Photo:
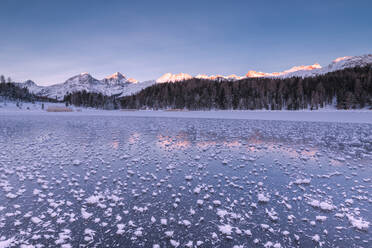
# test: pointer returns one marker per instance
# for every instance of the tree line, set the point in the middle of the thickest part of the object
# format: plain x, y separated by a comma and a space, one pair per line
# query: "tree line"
349, 88
95, 100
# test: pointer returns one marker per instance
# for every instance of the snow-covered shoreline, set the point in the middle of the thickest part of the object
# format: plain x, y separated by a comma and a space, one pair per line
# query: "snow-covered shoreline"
324, 115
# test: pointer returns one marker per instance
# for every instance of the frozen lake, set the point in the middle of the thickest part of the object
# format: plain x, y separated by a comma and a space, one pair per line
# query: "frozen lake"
120, 181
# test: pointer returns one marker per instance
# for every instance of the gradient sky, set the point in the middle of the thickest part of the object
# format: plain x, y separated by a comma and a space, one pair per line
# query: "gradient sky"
50, 41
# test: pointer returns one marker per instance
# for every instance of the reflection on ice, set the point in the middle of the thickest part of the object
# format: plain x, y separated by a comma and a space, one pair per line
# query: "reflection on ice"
134, 138
166, 142
159, 182
115, 144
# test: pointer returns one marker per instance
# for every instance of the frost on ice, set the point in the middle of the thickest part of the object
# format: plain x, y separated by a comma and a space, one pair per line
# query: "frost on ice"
69, 181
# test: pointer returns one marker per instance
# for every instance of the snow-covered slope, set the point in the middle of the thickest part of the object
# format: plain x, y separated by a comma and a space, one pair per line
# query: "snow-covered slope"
116, 84
133, 88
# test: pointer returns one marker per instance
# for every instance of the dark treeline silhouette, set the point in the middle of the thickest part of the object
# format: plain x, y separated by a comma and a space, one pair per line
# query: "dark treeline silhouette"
13, 92
347, 89
95, 100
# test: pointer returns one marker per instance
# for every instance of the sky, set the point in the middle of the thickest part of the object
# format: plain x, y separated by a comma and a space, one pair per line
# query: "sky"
51, 41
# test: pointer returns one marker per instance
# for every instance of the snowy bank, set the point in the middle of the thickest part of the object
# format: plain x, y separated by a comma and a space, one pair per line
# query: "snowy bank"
324, 115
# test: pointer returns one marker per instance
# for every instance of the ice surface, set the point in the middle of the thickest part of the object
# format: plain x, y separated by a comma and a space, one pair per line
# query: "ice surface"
88, 180
358, 223
6, 243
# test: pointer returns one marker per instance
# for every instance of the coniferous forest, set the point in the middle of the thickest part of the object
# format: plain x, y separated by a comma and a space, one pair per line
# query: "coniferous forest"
95, 100
348, 89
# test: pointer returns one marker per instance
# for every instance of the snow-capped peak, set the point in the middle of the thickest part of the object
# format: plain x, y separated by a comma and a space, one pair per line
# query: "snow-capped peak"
283, 73
252, 74
219, 77
31, 86
302, 67
351, 61
116, 75
337, 64
341, 58
169, 77
29, 83
132, 80
82, 78
202, 76
116, 79
234, 77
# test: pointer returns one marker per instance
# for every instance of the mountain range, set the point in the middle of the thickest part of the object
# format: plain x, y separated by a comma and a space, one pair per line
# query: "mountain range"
296, 71
118, 84
115, 84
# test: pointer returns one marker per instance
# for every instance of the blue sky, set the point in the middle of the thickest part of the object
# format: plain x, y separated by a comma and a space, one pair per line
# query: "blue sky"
50, 41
